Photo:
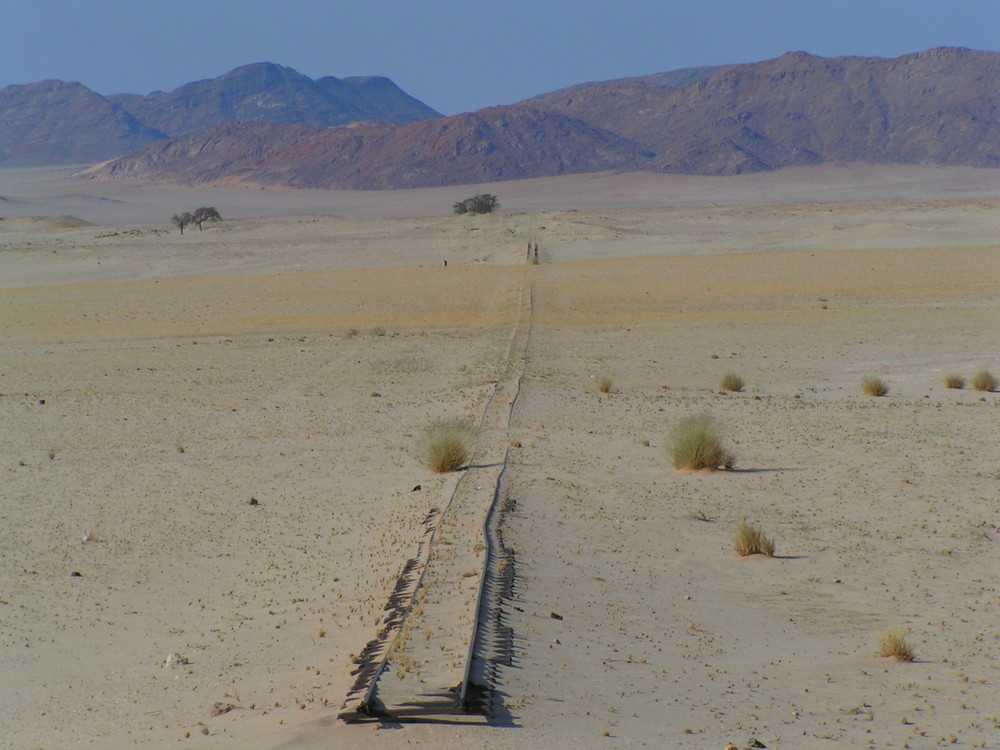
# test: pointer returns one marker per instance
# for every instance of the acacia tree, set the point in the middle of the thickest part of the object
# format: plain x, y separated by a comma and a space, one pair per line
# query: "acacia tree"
182, 220
205, 213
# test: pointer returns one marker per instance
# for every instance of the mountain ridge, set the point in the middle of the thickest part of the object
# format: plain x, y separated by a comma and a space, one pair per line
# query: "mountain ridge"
940, 106
57, 122
493, 144
936, 107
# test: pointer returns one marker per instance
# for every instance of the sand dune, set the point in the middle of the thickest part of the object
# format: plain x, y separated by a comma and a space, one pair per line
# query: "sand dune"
217, 433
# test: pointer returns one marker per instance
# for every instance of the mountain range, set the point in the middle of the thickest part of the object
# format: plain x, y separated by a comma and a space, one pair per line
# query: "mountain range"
941, 106
55, 122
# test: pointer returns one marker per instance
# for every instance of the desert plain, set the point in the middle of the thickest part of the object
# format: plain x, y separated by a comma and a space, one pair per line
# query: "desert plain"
210, 465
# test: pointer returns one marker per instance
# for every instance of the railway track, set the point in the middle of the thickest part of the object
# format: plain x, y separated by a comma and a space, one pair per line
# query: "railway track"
442, 639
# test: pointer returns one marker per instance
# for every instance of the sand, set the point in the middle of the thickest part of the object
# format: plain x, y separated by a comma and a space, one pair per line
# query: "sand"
218, 434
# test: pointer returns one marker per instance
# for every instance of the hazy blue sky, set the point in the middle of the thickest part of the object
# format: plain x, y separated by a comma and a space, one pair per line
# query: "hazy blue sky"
458, 55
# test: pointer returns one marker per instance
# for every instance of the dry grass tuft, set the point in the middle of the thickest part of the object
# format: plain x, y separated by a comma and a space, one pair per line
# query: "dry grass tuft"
984, 381
604, 385
446, 446
954, 381
892, 643
750, 540
872, 385
695, 444
731, 382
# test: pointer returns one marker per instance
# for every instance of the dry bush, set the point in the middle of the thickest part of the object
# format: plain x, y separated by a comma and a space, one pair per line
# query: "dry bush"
731, 382
954, 381
871, 385
750, 540
447, 445
695, 444
983, 381
604, 385
893, 643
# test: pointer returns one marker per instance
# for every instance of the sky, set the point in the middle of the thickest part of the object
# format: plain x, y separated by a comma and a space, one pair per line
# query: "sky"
453, 55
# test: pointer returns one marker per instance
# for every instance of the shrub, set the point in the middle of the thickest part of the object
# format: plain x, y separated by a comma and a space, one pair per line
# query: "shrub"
695, 444
749, 540
893, 643
604, 385
731, 382
872, 385
983, 381
954, 381
446, 446
484, 203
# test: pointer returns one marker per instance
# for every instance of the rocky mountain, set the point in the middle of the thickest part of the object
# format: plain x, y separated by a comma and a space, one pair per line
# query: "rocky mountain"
265, 92
673, 79
54, 122
941, 106
499, 143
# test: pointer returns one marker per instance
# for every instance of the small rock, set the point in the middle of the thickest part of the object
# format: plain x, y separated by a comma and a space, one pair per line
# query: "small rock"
376, 394
416, 488
554, 616
253, 501
754, 742
76, 574
175, 660
219, 708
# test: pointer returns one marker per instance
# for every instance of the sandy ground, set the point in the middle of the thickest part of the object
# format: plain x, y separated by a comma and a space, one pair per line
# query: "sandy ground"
217, 433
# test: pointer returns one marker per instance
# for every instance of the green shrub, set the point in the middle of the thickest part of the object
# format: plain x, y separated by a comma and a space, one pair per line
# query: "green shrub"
484, 203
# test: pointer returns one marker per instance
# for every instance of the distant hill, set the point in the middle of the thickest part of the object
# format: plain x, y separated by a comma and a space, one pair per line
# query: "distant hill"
673, 79
54, 122
499, 143
934, 107
265, 92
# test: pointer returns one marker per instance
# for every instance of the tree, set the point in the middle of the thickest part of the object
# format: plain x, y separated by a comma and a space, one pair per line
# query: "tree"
484, 203
205, 213
182, 220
